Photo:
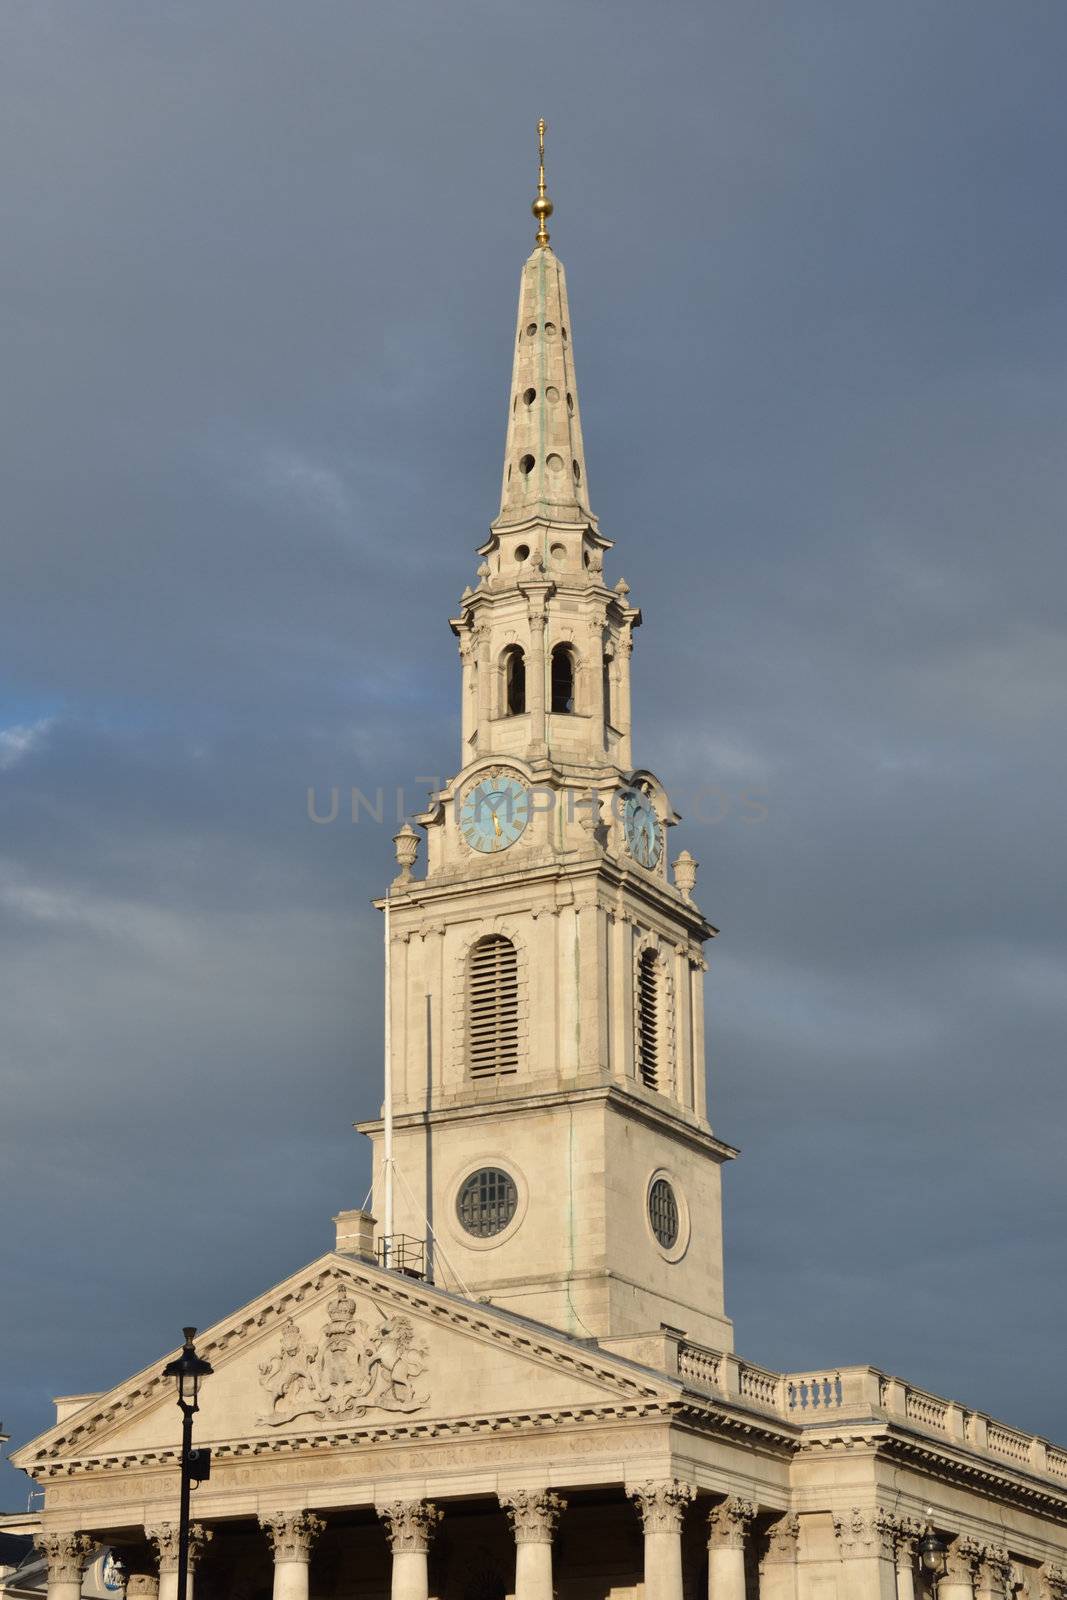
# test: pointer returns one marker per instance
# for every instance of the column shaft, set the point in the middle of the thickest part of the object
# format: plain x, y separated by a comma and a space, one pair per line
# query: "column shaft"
533, 1572
411, 1577
291, 1580
726, 1573
481, 634
663, 1566
535, 677
64, 1588
623, 724
905, 1581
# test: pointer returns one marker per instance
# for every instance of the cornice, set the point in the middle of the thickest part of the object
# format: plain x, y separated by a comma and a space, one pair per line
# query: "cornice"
445, 1430
615, 1096
889, 1442
603, 871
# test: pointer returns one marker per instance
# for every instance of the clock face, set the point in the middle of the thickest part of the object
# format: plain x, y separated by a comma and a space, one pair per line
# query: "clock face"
494, 813
641, 826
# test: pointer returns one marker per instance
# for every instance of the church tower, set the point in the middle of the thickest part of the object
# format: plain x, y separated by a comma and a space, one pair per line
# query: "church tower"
549, 1130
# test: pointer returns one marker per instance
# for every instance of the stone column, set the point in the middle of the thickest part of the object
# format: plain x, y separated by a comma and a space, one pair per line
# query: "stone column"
142, 1586
535, 674
906, 1546
467, 708
867, 1540
661, 1506
66, 1555
291, 1535
164, 1537
480, 637
623, 715
958, 1582
994, 1574
778, 1569
409, 1526
533, 1516
729, 1524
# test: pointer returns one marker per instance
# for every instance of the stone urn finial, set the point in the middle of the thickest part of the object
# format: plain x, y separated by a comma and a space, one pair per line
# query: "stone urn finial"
406, 842
685, 874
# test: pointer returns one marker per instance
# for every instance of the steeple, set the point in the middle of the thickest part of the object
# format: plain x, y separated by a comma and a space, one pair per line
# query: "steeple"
544, 458
546, 1038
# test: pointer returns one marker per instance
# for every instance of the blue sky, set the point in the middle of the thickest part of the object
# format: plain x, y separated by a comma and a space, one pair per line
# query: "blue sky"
256, 307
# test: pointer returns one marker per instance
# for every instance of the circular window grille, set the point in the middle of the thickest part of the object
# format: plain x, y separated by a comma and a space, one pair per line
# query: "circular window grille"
487, 1202
663, 1213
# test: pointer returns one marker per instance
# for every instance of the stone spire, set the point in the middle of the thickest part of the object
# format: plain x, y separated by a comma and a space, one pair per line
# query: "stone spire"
544, 459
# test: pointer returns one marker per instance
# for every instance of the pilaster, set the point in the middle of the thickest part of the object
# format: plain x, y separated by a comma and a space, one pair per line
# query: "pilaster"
866, 1538
778, 1567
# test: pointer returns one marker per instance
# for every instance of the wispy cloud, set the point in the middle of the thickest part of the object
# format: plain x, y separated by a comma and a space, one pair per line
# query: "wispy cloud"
20, 740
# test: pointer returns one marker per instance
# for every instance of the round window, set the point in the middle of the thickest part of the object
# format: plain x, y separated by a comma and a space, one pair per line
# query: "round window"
663, 1214
486, 1202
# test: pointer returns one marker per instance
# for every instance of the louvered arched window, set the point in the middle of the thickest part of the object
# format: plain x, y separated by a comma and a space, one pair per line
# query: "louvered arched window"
493, 1008
650, 1019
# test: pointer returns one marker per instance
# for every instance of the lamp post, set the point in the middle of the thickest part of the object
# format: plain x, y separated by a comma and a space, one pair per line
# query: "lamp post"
933, 1555
188, 1369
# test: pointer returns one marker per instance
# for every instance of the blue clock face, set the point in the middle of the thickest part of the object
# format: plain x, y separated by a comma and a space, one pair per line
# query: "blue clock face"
494, 813
644, 835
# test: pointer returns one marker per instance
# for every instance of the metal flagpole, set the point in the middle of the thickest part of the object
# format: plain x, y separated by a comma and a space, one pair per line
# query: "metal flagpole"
387, 1156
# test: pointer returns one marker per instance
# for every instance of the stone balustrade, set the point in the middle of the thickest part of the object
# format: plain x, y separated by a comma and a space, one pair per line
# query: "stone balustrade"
811, 1399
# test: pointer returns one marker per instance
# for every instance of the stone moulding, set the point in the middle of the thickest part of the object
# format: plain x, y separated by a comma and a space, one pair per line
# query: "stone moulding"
359, 1438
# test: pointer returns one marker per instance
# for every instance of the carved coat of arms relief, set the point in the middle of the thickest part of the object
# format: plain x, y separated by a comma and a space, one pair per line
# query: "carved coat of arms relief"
357, 1365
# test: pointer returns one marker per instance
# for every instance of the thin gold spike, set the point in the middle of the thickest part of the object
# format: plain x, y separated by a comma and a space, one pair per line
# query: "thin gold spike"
542, 207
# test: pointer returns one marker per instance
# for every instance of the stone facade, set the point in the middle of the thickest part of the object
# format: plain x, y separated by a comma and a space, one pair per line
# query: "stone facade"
548, 1403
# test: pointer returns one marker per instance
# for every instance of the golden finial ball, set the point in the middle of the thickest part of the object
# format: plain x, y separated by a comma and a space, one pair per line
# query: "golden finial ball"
542, 208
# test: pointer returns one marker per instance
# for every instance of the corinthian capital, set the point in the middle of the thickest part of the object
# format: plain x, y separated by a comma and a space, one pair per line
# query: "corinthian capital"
907, 1532
783, 1537
964, 1555
994, 1571
65, 1553
292, 1533
662, 1505
164, 1537
409, 1524
866, 1532
533, 1515
729, 1523
1052, 1581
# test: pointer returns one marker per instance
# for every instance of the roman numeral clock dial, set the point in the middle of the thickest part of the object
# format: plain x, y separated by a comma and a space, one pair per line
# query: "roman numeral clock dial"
494, 812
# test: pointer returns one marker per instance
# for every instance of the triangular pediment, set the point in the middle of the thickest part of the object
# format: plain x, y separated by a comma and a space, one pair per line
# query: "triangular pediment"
344, 1346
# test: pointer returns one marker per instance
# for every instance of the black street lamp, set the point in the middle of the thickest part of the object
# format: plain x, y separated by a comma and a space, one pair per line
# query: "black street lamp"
933, 1555
188, 1369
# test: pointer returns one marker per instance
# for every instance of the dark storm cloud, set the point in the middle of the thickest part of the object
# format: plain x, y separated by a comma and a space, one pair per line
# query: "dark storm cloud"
257, 296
